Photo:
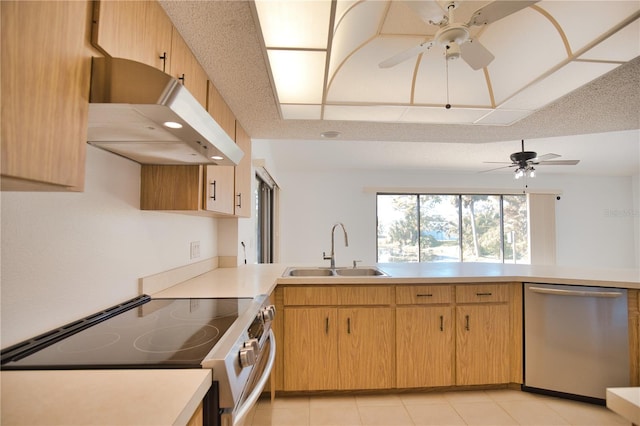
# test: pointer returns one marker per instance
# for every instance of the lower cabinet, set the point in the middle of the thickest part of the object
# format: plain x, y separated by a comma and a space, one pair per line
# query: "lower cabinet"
482, 344
405, 336
338, 348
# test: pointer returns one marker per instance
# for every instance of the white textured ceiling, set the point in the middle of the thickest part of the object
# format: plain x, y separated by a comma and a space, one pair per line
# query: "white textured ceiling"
224, 37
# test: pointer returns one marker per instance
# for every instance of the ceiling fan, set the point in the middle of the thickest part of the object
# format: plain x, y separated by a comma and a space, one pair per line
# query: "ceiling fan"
525, 160
455, 36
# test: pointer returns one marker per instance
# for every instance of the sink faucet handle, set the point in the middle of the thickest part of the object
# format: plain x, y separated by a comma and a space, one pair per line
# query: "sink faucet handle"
355, 263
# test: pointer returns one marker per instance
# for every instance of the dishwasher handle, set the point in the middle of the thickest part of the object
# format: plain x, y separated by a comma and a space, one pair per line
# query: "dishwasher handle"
580, 293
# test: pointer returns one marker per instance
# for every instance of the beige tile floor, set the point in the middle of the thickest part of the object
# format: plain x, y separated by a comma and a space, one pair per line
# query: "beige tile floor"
492, 408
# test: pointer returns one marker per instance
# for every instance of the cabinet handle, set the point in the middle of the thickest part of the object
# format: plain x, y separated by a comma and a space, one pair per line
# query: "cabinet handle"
181, 78
348, 325
466, 322
483, 294
424, 295
164, 58
326, 325
213, 185
239, 205
441, 323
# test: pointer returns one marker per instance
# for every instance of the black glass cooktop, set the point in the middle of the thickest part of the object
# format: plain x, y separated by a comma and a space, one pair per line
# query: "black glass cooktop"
160, 333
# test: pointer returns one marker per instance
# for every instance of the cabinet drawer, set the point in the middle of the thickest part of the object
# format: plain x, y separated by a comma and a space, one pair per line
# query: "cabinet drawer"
343, 295
424, 294
480, 293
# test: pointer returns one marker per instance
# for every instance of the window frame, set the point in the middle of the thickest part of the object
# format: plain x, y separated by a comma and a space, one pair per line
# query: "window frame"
460, 195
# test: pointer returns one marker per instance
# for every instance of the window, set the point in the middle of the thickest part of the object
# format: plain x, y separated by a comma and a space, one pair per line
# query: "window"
452, 228
265, 197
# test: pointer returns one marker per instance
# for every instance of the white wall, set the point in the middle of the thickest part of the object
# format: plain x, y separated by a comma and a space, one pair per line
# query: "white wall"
67, 255
594, 226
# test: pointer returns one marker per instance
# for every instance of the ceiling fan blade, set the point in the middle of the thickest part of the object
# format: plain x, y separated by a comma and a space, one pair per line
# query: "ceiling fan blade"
405, 55
497, 10
559, 163
475, 54
428, 10
545, 157
497, 168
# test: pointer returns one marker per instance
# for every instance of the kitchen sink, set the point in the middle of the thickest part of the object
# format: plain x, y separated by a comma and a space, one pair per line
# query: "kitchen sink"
308, 272
360, 272
338, 272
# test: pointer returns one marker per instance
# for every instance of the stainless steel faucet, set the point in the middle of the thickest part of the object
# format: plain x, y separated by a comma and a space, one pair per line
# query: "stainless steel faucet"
332, 257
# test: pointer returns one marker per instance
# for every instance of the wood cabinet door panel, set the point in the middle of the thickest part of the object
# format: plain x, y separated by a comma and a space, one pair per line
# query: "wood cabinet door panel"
365, 348
184, 66
310, 349
482, 344
219, 189
45, 72
424, 346
243, 174
482, 293
424, 294
136, 30
365, 295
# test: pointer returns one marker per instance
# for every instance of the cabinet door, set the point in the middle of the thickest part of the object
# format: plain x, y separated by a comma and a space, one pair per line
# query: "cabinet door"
219, 189
184, 66
424, 346
170, 187
242, 200
482, 344
136, 30
45, 83
365, 348
220, 111
310, 349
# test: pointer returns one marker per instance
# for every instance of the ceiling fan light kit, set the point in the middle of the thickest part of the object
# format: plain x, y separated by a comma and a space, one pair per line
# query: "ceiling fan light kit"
524, 161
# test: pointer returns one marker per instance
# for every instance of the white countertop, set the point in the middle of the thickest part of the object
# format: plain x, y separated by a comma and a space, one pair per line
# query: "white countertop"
626, 402
159, 397
102, 397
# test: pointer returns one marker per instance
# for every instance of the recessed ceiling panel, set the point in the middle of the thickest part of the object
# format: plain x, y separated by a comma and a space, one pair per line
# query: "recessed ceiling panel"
301, 112
568, 78
361, 80
526, 45
503, 117
298, 75
388, 114
294, 24
585, 21
358, 25
622, 46
402, 20
437, 76
442, 115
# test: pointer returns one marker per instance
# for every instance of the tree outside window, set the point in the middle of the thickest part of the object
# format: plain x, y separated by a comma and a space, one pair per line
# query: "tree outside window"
452, 228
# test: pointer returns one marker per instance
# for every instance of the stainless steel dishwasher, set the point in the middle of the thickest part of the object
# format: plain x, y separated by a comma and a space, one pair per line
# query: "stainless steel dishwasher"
576, 340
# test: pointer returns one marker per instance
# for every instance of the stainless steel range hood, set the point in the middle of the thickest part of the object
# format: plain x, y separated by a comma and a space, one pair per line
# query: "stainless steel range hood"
143, 114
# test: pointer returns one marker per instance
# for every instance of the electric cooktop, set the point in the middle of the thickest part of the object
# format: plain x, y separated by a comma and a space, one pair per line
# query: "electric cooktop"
154, 333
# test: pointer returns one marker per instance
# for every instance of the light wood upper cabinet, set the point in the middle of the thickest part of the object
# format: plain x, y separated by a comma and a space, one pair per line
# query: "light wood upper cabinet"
46, 65
185, 67
136, 30
243, 177
177, 188
220, 111
219, 189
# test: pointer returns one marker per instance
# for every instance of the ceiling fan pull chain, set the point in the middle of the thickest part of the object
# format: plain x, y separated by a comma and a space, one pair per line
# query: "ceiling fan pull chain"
446, 64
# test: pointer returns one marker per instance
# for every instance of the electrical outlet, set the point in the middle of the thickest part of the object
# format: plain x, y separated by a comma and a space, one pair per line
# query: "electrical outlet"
194, 251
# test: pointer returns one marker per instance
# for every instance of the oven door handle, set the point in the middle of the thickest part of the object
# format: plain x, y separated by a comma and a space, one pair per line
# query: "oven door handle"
257, 390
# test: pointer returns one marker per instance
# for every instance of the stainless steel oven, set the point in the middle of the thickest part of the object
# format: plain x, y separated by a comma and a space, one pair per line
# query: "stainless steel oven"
232, 336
